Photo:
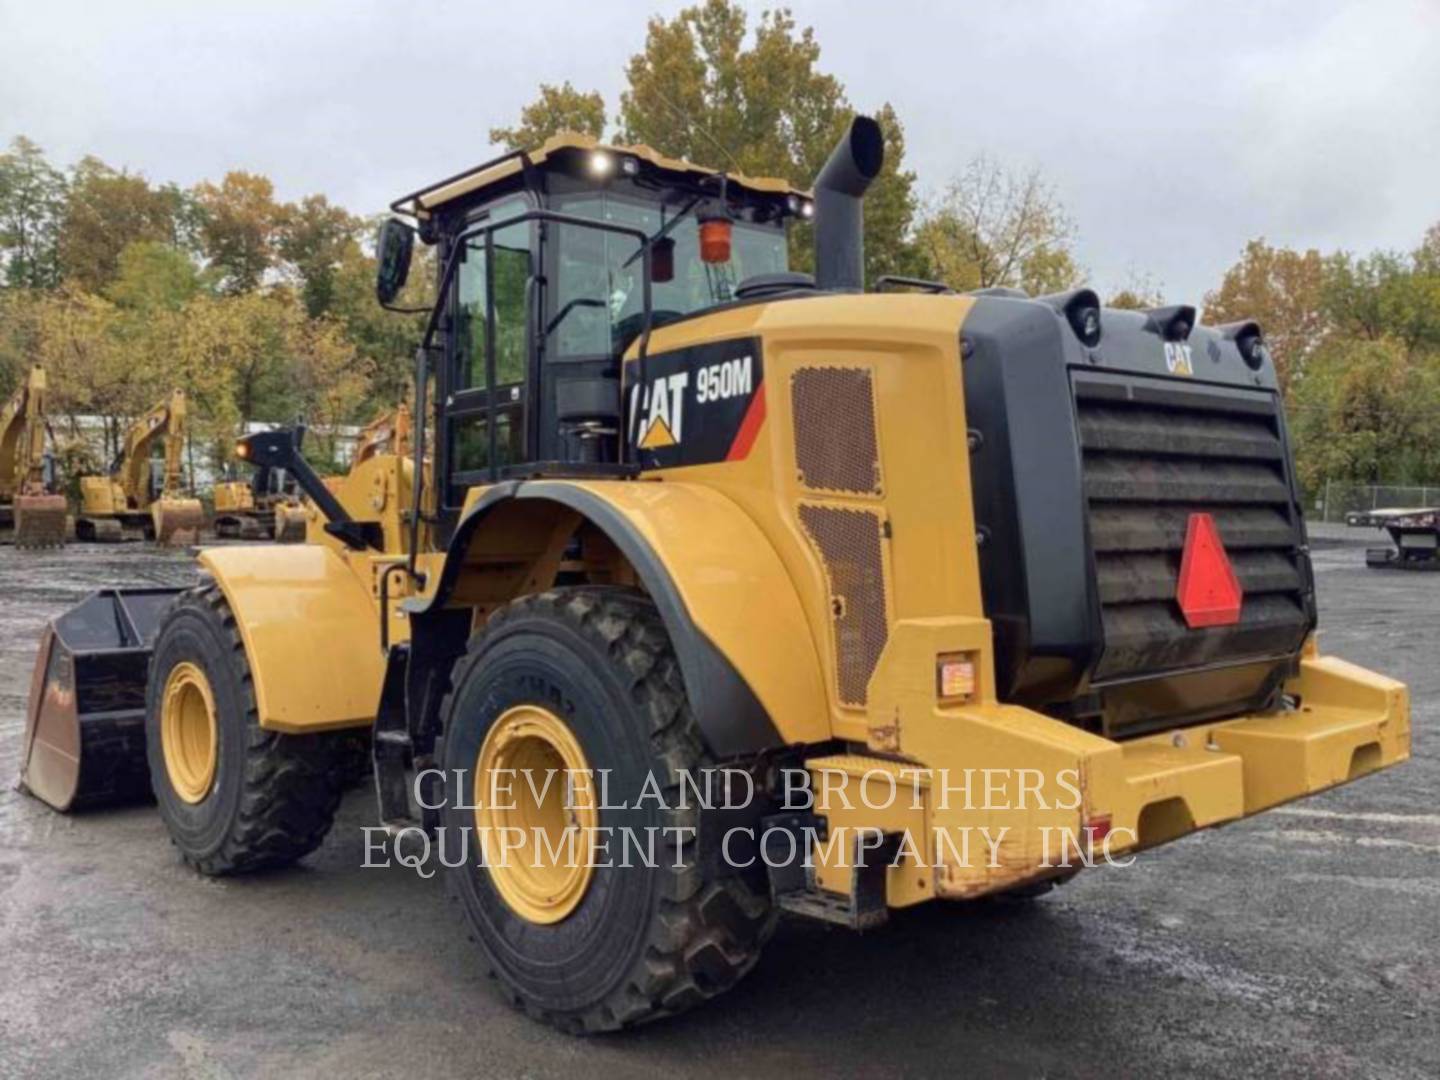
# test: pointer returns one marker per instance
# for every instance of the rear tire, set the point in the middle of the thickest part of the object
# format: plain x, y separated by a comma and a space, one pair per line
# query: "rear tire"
273, 796
645, 940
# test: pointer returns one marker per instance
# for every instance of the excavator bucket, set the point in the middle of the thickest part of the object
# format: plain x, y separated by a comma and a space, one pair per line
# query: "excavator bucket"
85, 724
290, 524
39, 521
177, 521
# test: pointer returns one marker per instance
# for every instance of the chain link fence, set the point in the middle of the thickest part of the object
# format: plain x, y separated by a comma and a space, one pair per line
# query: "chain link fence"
1338, 501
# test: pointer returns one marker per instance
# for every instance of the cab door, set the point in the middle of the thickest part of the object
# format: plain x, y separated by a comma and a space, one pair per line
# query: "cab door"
490, 308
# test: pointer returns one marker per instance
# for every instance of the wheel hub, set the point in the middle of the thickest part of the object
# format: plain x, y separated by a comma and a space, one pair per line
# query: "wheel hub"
536, 813
189, 736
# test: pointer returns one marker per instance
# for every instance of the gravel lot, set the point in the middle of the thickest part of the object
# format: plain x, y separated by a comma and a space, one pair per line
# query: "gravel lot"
1303, 942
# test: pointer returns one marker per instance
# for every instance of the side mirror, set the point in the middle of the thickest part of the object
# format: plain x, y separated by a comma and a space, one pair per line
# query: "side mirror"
392, 259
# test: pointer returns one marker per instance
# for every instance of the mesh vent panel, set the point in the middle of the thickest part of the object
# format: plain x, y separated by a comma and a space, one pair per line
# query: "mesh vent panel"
849, 543
834, 415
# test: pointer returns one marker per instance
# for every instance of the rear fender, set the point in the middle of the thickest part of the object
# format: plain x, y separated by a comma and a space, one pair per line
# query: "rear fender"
749, 662
311, 631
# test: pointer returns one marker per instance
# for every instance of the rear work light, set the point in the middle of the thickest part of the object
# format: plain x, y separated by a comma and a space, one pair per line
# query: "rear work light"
955, 676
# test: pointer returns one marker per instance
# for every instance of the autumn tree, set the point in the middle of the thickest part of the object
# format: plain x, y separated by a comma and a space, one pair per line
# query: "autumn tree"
709, 87
558, 108
993, 226
105, 211
706, 88
1139, 292
1282, 290
239, 225
32, 203
314, 238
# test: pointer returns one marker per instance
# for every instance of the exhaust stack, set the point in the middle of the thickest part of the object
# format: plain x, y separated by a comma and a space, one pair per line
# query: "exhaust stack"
839, 208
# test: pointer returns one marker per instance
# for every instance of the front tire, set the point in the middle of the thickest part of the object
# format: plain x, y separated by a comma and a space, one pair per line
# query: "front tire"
628, 943
234, 796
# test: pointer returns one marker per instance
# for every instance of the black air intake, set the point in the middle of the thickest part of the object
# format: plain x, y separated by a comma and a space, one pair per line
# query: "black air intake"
839, 208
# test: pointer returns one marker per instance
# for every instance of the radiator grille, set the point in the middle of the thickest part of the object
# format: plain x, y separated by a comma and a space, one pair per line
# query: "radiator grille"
834, 418
850, 545
1153, 454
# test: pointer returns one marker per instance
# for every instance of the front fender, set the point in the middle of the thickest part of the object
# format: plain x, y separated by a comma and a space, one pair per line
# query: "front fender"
311, 633
745, 649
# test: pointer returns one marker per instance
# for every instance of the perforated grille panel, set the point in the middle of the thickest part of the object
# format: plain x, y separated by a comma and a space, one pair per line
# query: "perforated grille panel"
849, 542
835, 443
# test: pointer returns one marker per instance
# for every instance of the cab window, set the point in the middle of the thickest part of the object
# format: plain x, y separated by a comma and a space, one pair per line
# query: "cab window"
598, 303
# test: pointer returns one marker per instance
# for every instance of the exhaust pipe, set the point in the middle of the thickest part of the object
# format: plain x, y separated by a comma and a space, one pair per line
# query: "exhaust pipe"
839, 208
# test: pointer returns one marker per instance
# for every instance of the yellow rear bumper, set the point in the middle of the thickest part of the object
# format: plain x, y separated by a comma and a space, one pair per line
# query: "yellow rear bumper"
990, 797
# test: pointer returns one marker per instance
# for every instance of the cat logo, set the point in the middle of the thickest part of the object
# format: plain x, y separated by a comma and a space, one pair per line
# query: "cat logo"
1177, 358
660, 413
697, 405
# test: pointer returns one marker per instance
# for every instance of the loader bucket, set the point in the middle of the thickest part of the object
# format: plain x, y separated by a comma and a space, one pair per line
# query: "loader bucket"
40, 521
290, 524
177, 521
85, 723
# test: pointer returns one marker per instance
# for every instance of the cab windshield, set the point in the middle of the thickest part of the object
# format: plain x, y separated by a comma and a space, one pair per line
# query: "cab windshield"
599, 302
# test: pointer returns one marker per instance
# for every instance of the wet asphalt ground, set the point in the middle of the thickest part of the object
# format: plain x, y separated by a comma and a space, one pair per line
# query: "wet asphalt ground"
1304, 942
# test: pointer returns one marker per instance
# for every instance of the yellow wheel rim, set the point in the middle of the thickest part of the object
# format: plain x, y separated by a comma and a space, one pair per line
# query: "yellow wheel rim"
189, 737
536, 813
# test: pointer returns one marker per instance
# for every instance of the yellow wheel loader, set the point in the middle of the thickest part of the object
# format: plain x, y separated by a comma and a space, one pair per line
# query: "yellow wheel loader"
124, 504
815, 599
30, 508
265, 507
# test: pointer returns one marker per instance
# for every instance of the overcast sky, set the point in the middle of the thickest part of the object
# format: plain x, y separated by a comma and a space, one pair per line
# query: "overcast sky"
1173, 131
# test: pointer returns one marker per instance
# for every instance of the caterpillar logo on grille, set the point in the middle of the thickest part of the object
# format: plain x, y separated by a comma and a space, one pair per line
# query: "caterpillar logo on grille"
849, 542
834, 417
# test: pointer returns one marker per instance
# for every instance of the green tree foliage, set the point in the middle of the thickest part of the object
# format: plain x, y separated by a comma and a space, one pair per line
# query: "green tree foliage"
151, 276
32, 203
1356, 341
1367, 411
315, 237
106, 211
124, 290
993, 226
558, 108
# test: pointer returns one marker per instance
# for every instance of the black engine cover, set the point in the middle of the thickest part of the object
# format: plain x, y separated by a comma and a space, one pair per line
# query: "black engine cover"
1086, 467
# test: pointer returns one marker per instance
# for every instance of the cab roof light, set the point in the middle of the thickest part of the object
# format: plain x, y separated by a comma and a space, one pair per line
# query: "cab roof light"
1249, 340
601, 164
1081, 308
1172, 323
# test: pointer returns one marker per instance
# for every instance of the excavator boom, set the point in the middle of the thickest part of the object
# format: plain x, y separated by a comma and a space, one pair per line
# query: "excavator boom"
27, 504
123, 501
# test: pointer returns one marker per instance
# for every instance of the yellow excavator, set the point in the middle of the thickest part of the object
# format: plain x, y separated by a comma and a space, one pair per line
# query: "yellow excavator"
725, 591
29, 505
124, 505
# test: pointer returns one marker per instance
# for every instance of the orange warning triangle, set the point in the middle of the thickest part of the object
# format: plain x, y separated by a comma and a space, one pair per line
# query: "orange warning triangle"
1209, 593
657, 435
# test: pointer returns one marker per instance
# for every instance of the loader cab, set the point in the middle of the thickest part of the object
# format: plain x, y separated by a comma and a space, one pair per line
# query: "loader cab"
550, 291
